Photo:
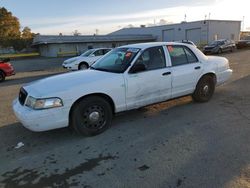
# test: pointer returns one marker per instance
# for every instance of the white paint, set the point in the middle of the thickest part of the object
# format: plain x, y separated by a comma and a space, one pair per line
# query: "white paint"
128, 91
73, 63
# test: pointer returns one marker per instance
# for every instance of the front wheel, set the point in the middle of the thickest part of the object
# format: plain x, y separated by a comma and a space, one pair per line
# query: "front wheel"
91, 116
204, 89
2, 76
83, 66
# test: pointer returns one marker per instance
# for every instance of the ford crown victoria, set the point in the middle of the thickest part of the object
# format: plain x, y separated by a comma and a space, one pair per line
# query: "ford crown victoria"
129, 77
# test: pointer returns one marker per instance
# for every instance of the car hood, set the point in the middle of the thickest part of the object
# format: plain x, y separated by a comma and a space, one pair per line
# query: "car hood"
60, 83
210, 46
72, 59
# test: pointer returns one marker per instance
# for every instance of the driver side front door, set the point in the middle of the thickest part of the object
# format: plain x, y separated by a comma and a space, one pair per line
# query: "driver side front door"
151, 85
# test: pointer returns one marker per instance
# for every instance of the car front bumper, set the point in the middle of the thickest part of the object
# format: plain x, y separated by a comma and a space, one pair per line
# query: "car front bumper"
40, 120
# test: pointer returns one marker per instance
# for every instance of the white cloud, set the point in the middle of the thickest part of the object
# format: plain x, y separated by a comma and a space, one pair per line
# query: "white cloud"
224, 9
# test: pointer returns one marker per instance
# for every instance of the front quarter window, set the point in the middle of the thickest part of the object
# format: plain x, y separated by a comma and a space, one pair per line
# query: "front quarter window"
117, 60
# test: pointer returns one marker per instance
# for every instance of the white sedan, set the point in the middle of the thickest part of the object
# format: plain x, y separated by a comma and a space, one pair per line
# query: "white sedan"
128, 77
86, 59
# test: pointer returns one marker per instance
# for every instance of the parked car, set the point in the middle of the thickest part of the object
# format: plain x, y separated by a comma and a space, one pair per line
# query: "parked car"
187, 42
243, 43
129, 77
6, 69
219, 46
86, 59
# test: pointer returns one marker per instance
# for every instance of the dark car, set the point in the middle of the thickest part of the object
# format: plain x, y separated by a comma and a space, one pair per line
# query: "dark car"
244, 43
219, 46
6, 69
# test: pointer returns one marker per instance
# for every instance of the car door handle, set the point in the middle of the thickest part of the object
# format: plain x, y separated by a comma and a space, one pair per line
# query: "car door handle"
197, 67
166, 73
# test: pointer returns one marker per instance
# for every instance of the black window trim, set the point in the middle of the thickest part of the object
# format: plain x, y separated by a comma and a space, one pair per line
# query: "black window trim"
151, 69
183, 47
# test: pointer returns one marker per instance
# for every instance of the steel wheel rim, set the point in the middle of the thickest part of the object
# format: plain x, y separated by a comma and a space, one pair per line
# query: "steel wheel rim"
94, 117
83, 67
205, 91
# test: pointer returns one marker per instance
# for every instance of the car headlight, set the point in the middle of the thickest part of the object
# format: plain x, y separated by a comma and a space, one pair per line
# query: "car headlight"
68, 61
39, 104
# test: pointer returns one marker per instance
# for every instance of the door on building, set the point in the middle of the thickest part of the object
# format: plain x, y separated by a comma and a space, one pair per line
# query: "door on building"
194, 35
168, 35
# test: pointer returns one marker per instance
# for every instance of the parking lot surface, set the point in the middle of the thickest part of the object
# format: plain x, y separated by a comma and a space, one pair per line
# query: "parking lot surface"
177, 143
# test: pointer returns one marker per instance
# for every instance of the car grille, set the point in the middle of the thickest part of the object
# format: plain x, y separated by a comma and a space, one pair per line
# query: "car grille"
22, 96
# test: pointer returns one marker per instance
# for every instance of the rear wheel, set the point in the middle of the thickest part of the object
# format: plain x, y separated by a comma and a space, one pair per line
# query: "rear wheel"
83, 66
91, 116
204, 89
2, 76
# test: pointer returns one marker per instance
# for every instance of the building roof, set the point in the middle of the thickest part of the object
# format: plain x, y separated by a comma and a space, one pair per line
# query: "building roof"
58, 39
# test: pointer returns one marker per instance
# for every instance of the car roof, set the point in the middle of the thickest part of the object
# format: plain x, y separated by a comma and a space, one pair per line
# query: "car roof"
100, 48
153, 44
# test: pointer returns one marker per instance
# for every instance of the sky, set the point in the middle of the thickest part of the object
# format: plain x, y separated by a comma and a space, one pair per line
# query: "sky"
103, 17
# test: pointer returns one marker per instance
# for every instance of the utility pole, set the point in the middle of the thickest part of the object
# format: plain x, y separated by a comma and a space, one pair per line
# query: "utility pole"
243, 23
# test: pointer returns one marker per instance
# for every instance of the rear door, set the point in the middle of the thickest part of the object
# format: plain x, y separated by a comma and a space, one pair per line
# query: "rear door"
185, 68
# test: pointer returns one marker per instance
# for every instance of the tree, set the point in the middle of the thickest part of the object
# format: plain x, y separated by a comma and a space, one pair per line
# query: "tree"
9, 27
27, 34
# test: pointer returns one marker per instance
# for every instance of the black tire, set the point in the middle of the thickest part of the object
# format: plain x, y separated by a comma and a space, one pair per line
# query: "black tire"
204, 89
83, 66
93, 107
220, 51
2, 76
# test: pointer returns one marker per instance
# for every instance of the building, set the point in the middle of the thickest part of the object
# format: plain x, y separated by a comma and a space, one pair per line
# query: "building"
200, 32
61, 45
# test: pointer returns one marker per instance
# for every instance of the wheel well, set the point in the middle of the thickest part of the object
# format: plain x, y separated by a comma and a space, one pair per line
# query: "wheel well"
104, 96
210, 75
83, 63
1, 71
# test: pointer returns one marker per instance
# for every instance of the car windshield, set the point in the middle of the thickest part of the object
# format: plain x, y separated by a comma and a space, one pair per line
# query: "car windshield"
117, 60
87, 53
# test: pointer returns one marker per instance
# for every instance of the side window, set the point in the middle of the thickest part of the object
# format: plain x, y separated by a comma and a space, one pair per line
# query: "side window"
98, 52
153, 58
177, 55
181, 55
190, 56
106, 51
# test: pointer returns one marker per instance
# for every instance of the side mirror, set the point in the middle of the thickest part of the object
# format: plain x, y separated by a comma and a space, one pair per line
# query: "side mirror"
138, 68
